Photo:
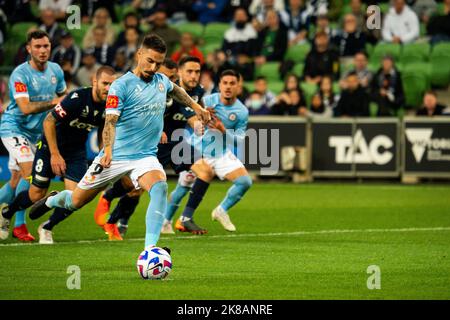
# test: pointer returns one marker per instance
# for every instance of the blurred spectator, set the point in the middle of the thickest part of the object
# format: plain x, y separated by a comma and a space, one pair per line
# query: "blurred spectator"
387, 88
18, 11
354, 101
207, 82
431, 107
328, 98
261, 87
216, 62
121, 64
88, 70
296, 19
22, 53
3, 25
233, 5
67, 68
323, 25
131, 45
318, 108
51, 26
318, 7
90, 7
424, 9
58, 7
210, 10
243, 93
146, 8
439, 26
258, 10
272, 40
104, 53
67, 51
321, 61
350, 40
159, 26
187, 48
290, 102
357, 10
239, 44
256, 104
401, 24
101, 19
291, 81
130, 20
360, 67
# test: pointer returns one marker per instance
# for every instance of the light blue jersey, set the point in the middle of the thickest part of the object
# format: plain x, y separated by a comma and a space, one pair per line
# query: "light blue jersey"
140, 107
234, 117
36, 86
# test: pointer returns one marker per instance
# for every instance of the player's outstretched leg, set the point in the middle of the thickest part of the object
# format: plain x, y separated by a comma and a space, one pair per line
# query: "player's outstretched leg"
240, 186
116, 191
154, 217
20, 230
186, 223
122, 212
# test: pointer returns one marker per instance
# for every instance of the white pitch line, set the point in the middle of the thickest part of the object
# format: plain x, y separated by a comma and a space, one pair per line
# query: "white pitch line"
249, 235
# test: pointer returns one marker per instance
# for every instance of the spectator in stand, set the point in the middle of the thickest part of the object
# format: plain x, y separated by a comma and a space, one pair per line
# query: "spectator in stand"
131, 20
387, 88
187, 48
296, 19
258, 10
291, 81
356, 9
22, 54
207, 82
439, 26
323, 25
90, 7
160, 26
67, 68
243, 93
272, 40
239, 44
256, 104
401, 24
268, 96
327, 96
58, 7
424, 9
360, 67
104, 53
321, 61
210, 10
350, 40
216, 62
101, 19
290, 102
131, 45
18, 11
318, 108
87, 71
121, 64
431, 107
354, 101
67, 51
146, 8
50, 25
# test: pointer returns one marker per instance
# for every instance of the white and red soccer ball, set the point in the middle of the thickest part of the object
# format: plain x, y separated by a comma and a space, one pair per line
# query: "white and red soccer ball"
154, 263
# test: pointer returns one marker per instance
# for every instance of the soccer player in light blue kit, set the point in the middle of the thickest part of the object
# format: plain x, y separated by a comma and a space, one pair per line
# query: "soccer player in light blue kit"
225, 130
32, 88
133, 127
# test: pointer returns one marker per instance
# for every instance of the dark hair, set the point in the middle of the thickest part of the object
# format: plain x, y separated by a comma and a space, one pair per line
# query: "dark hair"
364, 53
154, 42
286, 79
170, 64
261, 78
321, 34
104, 69
131, 14
352, 73
229, 72
187, 59
431, 92
37, 34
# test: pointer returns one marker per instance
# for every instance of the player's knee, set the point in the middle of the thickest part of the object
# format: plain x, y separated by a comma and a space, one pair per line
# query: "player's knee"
245, 182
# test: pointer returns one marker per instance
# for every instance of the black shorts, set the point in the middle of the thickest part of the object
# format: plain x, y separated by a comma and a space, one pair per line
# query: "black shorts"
165, 156
76, 166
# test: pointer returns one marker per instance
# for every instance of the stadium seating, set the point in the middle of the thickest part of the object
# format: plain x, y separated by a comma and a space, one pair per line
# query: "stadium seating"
309, 89
298, 52
414, 85
270, 70
192, 27
210, 47
415, 52
383, 49
440, 66
214, 32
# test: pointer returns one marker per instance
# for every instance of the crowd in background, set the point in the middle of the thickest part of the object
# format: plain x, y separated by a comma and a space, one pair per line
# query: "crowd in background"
260, 31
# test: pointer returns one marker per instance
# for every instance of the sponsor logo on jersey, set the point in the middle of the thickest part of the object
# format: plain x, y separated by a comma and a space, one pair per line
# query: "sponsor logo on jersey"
60, 111
112, 102
74, 95
20, 87
81, 125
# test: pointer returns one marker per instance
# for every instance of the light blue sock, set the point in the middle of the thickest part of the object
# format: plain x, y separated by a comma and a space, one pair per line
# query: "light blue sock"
175, 198
236, 192
7, 193
23, 185
61, 200
154, 218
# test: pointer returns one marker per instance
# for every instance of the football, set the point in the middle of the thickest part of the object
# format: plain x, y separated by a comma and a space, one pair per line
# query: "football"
154, 264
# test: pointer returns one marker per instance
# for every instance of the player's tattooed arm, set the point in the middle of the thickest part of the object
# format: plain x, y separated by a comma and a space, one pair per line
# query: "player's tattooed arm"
181, 96
108, 136
28, 107
56, 160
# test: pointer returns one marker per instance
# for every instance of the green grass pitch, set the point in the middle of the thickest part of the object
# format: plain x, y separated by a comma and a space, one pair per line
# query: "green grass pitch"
312, 241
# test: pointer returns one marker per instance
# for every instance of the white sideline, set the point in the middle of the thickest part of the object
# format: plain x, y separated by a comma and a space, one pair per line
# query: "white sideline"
245, 235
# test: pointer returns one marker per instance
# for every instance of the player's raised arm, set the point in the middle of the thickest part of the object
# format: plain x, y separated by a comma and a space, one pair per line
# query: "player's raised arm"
180, 95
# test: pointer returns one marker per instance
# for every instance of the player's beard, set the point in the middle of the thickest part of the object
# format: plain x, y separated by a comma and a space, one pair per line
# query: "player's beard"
146, 77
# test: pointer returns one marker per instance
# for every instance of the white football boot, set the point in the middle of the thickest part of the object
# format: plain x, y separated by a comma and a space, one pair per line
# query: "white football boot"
45, 236
222, 216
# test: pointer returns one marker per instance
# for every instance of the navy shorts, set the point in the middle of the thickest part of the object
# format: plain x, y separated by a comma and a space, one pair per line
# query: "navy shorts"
165, 156
76, 166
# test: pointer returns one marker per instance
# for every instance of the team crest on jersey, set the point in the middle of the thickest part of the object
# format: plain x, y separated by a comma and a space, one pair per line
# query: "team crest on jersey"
232, 116
53, 80
161, 87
